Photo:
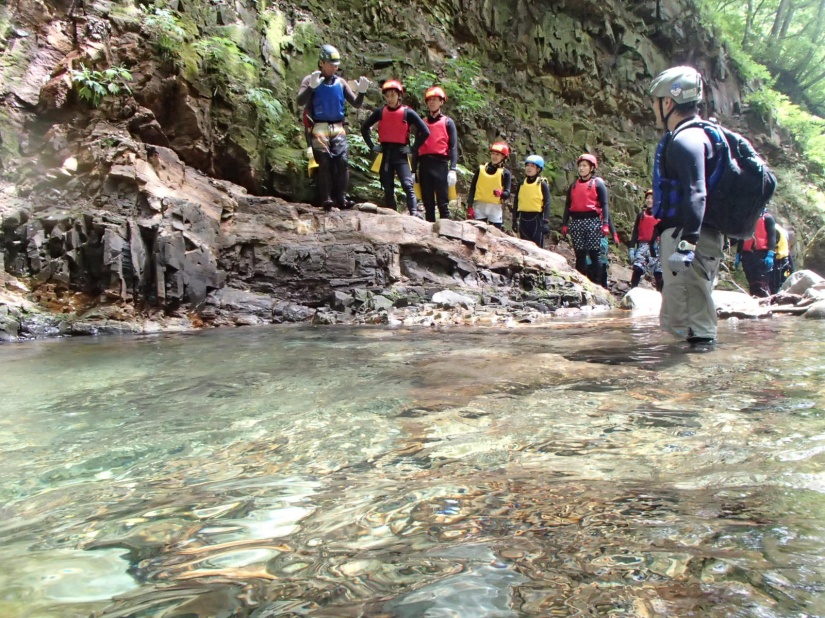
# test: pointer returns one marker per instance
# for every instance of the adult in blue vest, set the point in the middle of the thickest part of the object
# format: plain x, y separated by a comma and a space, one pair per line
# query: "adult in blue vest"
690, 247
394, 123
324, 94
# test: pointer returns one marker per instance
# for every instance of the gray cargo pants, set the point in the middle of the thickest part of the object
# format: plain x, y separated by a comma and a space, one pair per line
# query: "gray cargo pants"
687, 305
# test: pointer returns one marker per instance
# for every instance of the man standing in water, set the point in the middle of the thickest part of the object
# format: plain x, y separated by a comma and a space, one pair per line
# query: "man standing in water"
324, 94
691, 249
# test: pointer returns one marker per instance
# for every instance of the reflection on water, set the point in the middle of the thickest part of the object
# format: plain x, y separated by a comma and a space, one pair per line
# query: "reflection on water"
574, 470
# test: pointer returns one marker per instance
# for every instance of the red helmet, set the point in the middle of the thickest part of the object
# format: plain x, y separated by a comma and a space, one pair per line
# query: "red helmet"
590, 159
648, 192
501, 148
392, 84
435, 91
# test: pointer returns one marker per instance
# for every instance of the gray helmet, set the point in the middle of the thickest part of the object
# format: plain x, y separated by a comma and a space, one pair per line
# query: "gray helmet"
682, 84
330, 54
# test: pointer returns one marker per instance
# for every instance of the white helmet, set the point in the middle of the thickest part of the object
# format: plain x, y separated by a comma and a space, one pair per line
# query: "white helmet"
682, 84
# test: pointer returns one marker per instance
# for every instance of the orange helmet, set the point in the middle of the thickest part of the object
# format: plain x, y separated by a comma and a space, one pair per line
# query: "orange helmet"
392, 84
501, 148
590, 159
435, 91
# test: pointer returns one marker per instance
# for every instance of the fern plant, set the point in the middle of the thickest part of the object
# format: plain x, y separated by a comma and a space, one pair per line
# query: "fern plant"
227, 67
270, 111
92, 86
166, 29
460, 77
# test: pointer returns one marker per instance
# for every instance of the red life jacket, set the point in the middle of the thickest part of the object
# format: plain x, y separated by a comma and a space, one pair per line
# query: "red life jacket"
393, 128
759, 242
584, 198
647, 224
438, 143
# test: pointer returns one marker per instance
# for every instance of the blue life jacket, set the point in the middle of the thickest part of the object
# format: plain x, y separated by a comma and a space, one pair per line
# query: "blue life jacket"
667, 193
738, 189
328, 102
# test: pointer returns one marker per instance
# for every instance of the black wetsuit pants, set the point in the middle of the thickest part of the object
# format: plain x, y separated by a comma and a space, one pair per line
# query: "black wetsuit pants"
395, 160
530, 227
432, 176
758, 275
782, 269
593, 269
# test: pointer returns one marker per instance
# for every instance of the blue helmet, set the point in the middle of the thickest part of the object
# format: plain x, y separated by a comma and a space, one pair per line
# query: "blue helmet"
535, 160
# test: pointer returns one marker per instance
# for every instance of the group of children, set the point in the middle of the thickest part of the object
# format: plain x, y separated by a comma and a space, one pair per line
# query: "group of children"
432, 159
427, 168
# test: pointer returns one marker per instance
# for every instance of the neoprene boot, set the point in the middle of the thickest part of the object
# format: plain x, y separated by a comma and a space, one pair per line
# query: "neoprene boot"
637, 277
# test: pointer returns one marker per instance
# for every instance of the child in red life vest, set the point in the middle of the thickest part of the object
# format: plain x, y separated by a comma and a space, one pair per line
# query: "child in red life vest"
531, 209
756, 256
490, 187
586, 212
394, 122
437, 160
643, 254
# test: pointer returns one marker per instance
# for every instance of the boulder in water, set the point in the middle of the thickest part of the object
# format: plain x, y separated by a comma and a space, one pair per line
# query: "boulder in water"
738, 304
642, 301
801, 281
816, 311
448, 299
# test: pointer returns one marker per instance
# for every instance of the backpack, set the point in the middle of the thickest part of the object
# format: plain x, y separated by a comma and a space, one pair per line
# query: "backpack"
741, 184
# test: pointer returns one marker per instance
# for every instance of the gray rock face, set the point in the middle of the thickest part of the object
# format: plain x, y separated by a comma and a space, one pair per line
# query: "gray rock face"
185, 243
814, 258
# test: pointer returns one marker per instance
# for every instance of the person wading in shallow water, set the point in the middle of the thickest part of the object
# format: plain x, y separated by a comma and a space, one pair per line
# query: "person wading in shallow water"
394, 122
324, 94
586, 217
692, 251
783, 263
643, 254
756, 255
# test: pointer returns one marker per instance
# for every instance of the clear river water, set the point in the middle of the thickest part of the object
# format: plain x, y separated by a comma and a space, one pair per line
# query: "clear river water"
581, 469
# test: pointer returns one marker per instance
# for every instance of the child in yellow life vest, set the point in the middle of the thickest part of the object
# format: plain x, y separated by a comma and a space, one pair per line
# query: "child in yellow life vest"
531, 210
783, 264
490, 187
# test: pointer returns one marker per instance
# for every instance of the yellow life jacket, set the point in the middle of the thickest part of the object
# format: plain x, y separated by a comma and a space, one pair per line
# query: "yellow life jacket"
530, 198
782, 248
487, 183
